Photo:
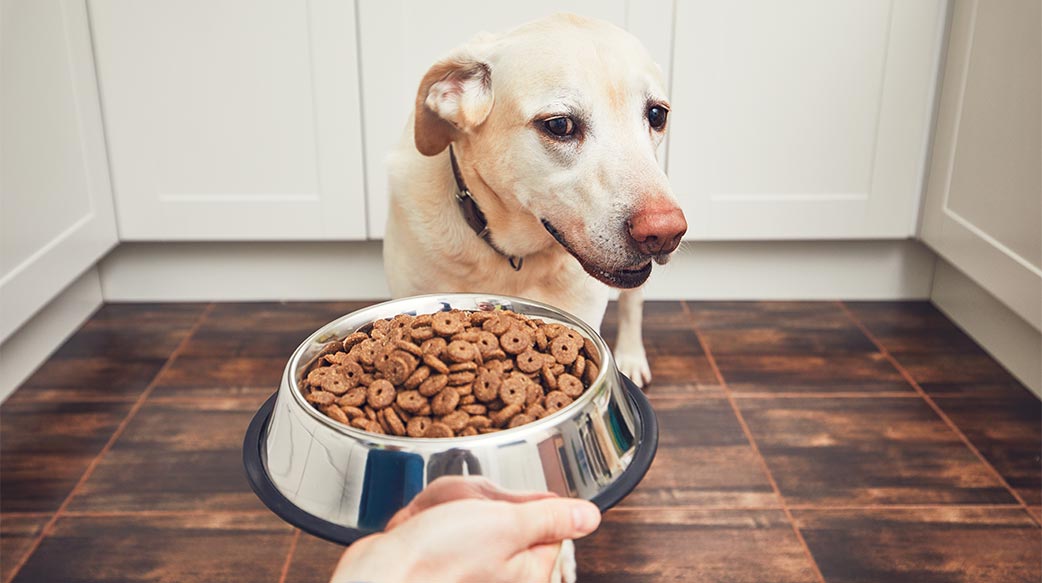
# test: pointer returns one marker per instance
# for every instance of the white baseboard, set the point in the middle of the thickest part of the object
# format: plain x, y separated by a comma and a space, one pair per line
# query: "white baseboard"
1005, 335
29, 346
354, 270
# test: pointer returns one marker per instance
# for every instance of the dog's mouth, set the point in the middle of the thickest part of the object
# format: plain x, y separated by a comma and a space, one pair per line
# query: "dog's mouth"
620, 278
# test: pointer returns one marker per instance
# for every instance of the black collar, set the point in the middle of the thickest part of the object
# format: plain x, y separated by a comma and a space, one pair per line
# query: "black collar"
473, 215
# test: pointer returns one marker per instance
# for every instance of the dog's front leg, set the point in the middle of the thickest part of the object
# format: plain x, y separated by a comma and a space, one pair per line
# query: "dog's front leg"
629, 345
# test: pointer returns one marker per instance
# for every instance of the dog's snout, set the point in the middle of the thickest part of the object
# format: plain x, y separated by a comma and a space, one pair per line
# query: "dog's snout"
656, 231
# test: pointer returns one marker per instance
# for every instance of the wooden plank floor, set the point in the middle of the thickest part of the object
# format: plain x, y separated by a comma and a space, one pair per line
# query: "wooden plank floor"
811, 441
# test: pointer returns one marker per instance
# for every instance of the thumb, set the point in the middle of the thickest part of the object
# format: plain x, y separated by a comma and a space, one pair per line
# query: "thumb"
554, 519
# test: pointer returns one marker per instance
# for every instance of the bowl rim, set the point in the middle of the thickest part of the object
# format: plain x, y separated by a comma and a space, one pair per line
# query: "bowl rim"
598, 387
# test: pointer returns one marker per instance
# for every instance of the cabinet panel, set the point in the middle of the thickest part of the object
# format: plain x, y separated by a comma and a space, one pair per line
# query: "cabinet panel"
400, 40
233, 119
983, 209
802, 120
56, 216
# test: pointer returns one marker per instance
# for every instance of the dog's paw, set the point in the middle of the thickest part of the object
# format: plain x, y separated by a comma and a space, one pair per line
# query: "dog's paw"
634, 364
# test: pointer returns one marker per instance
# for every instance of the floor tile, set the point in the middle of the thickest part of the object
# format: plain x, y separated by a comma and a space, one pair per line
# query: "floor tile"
202, 548
912, 327
703, 459
824, 374
923, 546
313, 560
679, 368
656, 314
693, 546
46, 446
929, 369
778, 328
89, 379
859, 451
176, 456
263, 329
133, 331
1007, 430
215, 377
17, 533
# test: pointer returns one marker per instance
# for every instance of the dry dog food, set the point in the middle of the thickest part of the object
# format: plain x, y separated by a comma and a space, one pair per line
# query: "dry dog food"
451, 374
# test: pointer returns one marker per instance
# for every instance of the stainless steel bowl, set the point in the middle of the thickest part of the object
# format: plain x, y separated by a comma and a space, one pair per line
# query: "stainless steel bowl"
340, 483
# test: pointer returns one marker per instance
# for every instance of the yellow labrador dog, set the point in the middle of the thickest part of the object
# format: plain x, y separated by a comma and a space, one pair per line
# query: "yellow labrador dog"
529, 169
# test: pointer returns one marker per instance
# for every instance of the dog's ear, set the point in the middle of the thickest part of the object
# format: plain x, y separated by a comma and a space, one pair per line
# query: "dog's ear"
454, 96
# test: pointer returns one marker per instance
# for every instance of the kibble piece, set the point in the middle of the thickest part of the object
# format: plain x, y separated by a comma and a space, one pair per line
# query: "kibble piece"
486, 385
534, 393
514, 390
353, 412
456, 420
530, 361
497, 324
516, 340
353, 398
519, 419
467, 432
321, 398
353, 339
421, 333
461, 378
445, 402
393, 422
434, 346
556, 400
463, 367
418, 426
487, 342
591, 351
433, 385
535, 411
447, 323
591, 373
473, 408
570, 385
461, 351
435, 363
332, 380
439, 429
564, 349
411, 401
501, 417
579, 366
479, 422
418, 376
380, 394
335, 413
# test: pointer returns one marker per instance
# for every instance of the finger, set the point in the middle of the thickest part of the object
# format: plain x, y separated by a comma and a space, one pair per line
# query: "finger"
553, 520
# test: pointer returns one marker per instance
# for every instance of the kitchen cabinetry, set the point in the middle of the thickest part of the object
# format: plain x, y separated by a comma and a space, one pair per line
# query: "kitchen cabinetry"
983, 210
802, 120
56, 216
232, 120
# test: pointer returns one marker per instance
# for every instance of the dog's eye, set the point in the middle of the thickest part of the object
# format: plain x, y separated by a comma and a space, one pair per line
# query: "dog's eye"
561, 127
657, 116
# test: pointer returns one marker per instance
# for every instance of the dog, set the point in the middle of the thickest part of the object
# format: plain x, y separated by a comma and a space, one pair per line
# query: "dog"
529, 168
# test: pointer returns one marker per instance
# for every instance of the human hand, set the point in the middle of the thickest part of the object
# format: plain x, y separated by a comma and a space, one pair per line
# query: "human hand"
469, 530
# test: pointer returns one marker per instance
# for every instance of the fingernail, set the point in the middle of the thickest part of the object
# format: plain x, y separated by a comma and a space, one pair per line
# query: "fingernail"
584, 518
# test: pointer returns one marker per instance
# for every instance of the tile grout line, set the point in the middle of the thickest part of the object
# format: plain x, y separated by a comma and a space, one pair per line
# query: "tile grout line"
46, 530
289, 556
752, 443
936, 408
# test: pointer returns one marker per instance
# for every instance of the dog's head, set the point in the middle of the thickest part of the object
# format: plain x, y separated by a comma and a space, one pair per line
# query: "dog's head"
563, 117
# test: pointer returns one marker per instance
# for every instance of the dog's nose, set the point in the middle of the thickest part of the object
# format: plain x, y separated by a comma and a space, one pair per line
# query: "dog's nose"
657, 230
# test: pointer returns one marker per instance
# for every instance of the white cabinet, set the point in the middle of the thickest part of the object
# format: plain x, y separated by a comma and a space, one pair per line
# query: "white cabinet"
56, 216
983, 209
401, 39
232, 120
806, 119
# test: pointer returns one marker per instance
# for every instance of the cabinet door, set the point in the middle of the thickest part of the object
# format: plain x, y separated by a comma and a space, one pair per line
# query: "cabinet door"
983, 209
804, 119
232, 119
401, 39
56, 215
